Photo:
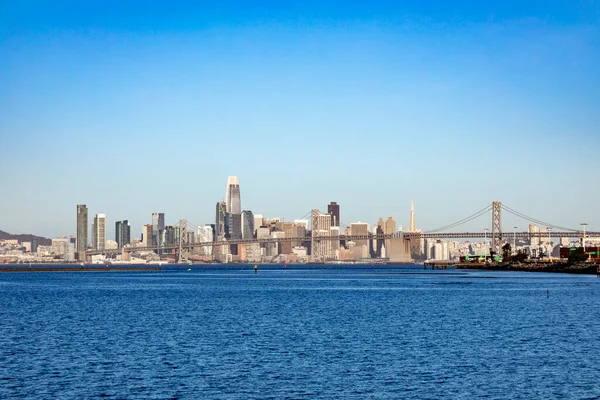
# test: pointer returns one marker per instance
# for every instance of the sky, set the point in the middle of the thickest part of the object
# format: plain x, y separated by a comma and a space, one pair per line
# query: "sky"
135, 107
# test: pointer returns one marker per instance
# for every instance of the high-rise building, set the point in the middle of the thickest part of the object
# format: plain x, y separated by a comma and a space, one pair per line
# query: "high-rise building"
233, 226
390, 226
232, 196
333, 209
82, 230
321, 226
221, 210
122, 233
205, 234
247, 224
99, 232
170, 235
233, 208
360, 229
34, 244
158, 227
147, 235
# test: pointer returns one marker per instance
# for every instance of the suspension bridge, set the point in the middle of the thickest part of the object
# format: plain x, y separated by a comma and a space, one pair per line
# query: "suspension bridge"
496, 235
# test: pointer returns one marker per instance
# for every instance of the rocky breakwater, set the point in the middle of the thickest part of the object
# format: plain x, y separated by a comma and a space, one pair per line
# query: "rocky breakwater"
562, 267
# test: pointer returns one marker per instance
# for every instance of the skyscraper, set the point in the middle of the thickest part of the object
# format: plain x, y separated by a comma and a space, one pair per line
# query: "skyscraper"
158, 228
221, 210
232, 196
99, 232
320, 226
333, 209
147, 235
247, 224
234, 209
122, 233
82, 230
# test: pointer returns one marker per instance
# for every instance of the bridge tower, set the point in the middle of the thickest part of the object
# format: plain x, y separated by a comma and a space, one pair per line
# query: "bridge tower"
182, 238
496, 226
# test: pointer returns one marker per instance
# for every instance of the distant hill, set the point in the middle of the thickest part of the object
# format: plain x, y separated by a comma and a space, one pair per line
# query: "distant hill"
25, 238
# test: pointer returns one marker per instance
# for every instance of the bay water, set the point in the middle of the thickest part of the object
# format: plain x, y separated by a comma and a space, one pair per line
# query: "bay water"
320, 332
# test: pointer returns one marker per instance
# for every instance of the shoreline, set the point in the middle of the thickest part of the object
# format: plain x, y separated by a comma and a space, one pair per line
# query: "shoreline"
561, 267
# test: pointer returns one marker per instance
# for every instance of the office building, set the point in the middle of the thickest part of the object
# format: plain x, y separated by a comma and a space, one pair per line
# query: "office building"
247, 224
232, 196
170, 237
158, 228
122, 233
82, 230
147, 235
360, 229
333, 209
99, 232
321, 226
205, 234
221, 211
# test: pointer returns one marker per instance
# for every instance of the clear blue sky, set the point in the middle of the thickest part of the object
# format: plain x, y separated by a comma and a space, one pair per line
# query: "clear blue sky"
137, 107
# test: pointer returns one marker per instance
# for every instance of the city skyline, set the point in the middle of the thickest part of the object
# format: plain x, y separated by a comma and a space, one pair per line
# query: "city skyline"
162, 219
454, 105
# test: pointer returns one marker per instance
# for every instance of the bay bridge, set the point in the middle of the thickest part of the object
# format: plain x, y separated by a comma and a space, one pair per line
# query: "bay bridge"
496, 236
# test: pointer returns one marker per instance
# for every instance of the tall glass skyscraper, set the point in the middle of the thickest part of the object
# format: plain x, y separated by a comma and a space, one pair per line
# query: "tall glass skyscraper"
232, 196
82, 230
122, 233
247, 224
158, 228
220, 221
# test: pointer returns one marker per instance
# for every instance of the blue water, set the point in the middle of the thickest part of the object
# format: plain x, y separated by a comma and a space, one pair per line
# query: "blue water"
299, 333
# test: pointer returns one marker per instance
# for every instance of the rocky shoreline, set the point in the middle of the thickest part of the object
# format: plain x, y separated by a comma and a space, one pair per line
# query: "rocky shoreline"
577, 268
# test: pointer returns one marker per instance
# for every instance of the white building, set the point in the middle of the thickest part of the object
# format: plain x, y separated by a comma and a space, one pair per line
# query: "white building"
99, 232
205, 234
321, 226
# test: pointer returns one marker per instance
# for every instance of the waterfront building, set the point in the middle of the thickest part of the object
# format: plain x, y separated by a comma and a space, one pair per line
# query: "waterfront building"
333, 209
158, 228
82, 231
247, 224
99, 232
122, 233
70, 252
110, 245
59, 246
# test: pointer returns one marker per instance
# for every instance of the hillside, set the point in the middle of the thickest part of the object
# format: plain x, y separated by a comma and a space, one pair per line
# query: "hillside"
25, 238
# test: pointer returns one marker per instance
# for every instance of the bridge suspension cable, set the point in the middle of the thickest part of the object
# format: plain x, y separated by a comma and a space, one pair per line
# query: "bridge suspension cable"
463, 221
537, 221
